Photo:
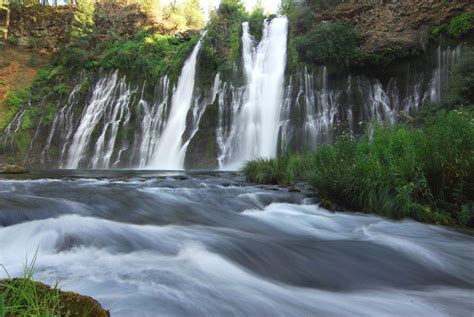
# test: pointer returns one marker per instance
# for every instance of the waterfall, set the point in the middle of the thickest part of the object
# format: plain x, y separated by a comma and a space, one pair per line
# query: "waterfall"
119, 124
152, 123
170, 151
445, 59
104, 108
256, 125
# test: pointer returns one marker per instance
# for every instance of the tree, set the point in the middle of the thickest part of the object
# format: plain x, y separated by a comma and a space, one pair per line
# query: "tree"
4, 7
193, 14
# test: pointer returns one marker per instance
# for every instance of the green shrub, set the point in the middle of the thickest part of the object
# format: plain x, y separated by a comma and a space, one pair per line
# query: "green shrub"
72, 58
329, 43
263, 171
461, 25
256, 21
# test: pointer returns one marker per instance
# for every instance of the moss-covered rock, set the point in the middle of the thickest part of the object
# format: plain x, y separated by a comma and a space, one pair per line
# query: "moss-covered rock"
12, 169
203, 151
65, 303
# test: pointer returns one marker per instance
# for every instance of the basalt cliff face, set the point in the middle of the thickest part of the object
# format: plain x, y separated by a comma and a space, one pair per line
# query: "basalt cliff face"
217, 118
395, 25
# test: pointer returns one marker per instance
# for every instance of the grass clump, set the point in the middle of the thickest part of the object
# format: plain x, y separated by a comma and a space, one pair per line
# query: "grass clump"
25, 297
396, 171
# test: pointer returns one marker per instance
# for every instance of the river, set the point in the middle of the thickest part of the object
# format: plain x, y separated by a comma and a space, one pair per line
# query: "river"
209, 244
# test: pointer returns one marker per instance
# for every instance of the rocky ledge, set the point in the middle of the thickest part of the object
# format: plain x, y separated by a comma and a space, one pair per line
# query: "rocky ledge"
12, 169
388, 25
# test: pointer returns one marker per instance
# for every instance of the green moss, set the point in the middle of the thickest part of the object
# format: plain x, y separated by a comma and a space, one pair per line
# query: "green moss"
14, 101
50, 112
22, 142
61, 89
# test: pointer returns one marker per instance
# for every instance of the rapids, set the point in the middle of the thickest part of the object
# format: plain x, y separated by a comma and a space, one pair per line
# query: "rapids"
202, 244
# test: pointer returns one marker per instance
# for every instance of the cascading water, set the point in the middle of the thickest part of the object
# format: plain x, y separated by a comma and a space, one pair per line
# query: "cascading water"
171, 150
120, 124
152, 123
256, 125
107, 110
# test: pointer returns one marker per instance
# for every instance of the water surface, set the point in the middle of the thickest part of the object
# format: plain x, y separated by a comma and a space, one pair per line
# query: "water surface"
208, 244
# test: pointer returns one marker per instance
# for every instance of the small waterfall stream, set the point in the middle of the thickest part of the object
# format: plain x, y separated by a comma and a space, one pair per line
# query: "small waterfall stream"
106, 110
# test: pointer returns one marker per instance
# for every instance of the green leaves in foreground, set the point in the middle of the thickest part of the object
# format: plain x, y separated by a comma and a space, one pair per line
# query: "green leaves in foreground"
426, 174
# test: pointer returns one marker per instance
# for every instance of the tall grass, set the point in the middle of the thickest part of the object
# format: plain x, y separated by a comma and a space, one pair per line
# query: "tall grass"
398, 171
25, 297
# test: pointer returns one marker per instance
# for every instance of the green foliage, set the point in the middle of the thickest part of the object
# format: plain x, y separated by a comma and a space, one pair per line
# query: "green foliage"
426, 173
16, 99
264, 171
461, 25
461, 83
329, 43
149, 55
83, 22
185, 15
256, 18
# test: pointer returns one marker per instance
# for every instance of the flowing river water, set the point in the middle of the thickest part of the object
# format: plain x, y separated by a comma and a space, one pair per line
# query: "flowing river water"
209, 244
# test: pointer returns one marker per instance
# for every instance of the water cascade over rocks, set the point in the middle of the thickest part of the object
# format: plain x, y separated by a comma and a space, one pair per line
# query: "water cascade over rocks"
257, 120
170, 150
147, 243
260, 110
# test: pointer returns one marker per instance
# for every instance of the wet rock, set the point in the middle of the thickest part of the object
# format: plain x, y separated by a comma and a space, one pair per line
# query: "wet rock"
12, 169
294, 190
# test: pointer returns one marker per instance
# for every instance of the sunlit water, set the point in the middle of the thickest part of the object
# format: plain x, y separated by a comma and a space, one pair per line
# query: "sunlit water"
164, 244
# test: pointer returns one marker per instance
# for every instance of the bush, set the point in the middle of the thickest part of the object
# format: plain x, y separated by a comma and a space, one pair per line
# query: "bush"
461, 25
329, 43
256, 21
426, 174
149, 55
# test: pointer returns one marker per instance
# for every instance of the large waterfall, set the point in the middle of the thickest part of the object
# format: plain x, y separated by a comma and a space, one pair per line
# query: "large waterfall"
255, 126
170, 151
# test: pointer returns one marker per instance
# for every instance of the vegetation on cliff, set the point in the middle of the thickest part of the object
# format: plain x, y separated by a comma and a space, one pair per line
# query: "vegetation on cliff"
356, 34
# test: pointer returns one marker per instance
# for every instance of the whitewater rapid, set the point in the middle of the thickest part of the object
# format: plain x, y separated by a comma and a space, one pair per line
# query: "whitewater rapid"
153, 244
